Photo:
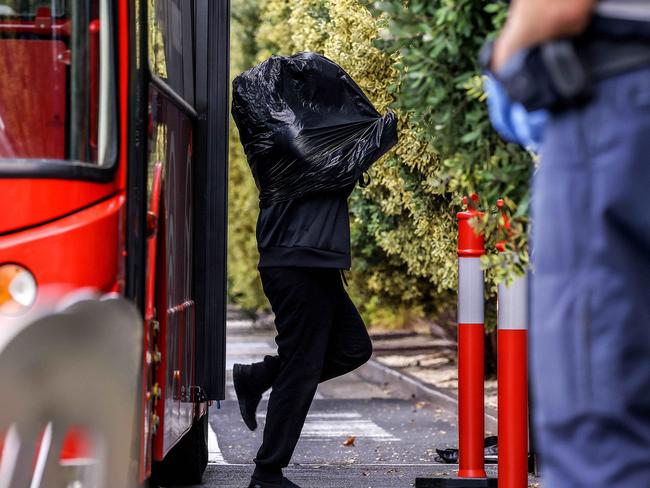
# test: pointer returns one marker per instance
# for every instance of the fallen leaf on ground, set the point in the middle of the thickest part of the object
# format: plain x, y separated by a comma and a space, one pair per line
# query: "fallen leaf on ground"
349, 442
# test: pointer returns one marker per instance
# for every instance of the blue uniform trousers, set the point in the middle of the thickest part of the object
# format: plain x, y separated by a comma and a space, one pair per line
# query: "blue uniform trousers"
590, 330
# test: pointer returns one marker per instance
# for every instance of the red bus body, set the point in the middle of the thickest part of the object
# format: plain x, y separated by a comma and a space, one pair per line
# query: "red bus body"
76, 230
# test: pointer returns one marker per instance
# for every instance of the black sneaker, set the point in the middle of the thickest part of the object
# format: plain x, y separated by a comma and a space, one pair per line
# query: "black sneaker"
247, 396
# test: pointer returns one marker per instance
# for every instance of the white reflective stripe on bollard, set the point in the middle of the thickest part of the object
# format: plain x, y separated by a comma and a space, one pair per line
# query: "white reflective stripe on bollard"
471, 309
513, 304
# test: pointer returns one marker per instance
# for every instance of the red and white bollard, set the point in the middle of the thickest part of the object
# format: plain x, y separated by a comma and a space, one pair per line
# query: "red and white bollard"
471, 307
512, 364
512, 360
471, 352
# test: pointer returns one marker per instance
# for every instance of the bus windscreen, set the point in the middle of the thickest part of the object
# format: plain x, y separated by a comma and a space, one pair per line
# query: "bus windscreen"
56, 67
30, 8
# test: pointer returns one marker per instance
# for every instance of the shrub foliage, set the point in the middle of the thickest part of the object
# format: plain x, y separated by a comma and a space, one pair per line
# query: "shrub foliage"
417, 57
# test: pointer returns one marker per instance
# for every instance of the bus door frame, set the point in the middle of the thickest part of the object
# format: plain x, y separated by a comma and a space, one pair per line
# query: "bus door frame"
212, 93
210, 206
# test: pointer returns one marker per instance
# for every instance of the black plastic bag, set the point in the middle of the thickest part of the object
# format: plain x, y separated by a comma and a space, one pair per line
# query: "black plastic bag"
450, 455
307, 127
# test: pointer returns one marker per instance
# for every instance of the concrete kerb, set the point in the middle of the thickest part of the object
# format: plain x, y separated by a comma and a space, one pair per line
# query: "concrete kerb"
407, 385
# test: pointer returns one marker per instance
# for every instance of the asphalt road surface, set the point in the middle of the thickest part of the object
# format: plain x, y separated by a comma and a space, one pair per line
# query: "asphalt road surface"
394, 438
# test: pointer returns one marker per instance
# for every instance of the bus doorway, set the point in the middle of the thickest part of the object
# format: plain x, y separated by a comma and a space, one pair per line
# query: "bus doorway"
113, 158
183, 219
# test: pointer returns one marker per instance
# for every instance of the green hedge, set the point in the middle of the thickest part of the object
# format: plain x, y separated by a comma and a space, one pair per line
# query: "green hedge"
420, 61
244, 285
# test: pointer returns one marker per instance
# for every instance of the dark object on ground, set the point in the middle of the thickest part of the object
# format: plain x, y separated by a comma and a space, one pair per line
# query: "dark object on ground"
447, 456
450, 456
307, 127
247, 396
187, 460
491, 450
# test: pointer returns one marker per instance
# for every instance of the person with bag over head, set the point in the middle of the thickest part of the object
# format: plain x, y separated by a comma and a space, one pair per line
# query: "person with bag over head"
309, 134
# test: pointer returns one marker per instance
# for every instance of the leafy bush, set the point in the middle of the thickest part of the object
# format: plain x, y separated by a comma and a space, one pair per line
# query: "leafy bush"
440, 87
418, 57
244, 285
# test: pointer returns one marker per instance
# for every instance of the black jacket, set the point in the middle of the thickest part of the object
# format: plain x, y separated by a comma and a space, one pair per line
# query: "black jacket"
312, 231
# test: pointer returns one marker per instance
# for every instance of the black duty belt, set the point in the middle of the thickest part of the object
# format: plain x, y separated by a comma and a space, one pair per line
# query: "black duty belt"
606, 58
561, 73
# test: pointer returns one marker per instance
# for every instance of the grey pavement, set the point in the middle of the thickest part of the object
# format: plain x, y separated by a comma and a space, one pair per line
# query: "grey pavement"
334, 476
394, 438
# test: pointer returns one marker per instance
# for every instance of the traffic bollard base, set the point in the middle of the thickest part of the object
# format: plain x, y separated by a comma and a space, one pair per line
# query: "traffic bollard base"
455, 483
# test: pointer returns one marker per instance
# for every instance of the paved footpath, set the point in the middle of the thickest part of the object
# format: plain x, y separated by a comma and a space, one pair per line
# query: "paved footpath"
394, 438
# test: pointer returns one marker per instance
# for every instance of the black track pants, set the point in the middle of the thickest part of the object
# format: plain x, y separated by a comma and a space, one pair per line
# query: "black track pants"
320, 336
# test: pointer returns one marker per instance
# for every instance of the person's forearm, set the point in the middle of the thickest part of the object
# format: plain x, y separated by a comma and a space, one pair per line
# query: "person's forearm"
532, 22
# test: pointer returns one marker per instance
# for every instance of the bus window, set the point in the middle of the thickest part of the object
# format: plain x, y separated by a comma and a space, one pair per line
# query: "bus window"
57, 81
28, 8
171, 46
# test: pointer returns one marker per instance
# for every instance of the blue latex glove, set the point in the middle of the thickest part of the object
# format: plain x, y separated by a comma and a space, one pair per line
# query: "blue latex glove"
511, 120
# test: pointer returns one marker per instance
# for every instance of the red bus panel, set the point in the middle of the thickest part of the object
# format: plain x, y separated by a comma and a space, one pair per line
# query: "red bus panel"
36, 201
170, 152
81, 250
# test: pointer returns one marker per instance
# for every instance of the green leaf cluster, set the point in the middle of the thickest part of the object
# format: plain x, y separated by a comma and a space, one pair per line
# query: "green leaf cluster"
244, 285
417, 57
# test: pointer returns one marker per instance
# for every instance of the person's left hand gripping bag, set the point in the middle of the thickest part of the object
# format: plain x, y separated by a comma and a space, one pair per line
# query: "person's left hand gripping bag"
307, 127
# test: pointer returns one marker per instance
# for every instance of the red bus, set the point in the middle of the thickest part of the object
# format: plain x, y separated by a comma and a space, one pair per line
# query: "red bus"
113, 177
